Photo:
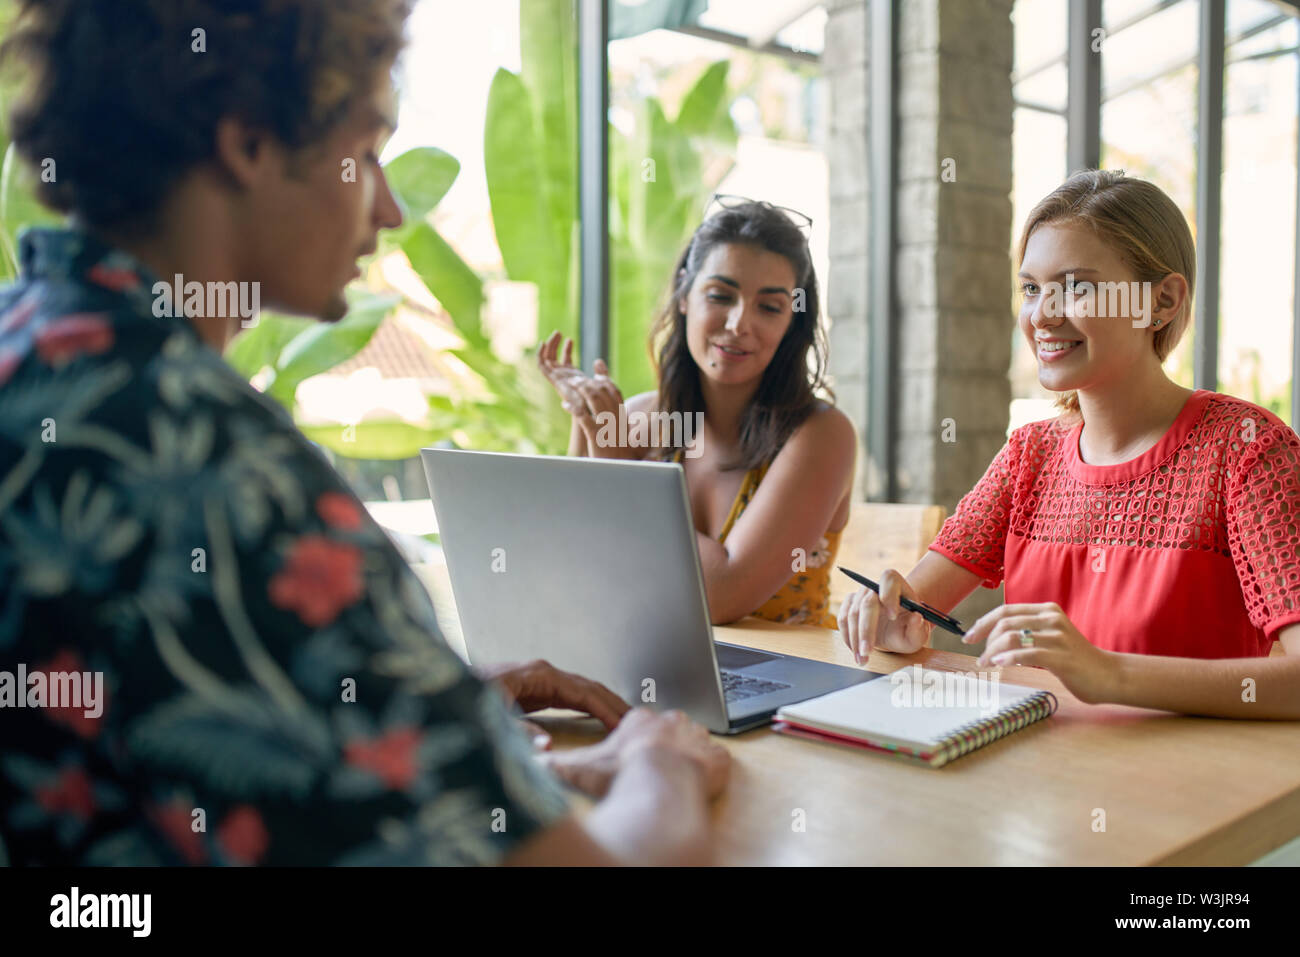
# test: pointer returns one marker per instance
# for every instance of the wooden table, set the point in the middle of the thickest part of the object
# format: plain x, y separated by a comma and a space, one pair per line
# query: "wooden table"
1174, 790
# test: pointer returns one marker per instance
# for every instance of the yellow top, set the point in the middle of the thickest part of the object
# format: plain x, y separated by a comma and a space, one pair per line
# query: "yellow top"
805, 599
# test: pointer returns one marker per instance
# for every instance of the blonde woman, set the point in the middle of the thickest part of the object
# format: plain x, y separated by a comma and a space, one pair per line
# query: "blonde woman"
1149, 537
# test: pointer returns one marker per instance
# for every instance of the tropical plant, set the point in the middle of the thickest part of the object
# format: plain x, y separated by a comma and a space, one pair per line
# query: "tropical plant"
661, 175
18, 205
511, 412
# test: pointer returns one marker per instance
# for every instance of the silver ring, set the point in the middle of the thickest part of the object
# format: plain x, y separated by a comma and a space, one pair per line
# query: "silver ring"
1026, 638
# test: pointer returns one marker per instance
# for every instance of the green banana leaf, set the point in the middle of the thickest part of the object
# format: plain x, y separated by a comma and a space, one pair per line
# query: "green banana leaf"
548, 49
323, 345
651, 218
513, 158
419, 178
388, 440
706, 111
18, 209
260, 346
449, 278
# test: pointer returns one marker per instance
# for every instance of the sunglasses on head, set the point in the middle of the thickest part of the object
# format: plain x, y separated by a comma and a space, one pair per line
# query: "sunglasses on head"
731, 201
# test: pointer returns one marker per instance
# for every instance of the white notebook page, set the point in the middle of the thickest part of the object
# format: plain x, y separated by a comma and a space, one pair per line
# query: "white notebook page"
899, 712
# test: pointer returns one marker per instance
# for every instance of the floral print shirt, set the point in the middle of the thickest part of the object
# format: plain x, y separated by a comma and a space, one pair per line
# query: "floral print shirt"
274, 686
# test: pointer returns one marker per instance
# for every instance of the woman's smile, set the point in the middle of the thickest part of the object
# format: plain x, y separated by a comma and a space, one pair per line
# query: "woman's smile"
1056, 350
731, 353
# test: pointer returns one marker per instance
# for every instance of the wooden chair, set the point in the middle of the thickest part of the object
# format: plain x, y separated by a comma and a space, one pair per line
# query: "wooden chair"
883, 535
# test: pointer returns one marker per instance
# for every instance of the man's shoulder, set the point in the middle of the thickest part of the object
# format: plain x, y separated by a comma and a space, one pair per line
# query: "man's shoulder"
67, 350
57, 329
99, 403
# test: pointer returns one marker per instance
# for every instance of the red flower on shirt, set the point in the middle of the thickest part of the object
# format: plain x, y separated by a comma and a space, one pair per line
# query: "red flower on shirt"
70, 794
67, 338
176, 822
73, 716
243, 836
118, 280
319, 580
339, 511
390, 758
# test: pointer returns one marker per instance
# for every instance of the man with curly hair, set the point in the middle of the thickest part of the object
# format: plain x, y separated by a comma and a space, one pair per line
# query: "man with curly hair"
269, 682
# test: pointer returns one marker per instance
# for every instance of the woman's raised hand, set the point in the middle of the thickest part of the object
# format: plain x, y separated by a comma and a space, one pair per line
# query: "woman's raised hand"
869, 621
594, 401
563, 375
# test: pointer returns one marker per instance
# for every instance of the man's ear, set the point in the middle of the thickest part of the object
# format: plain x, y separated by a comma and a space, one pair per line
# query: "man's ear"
244, 153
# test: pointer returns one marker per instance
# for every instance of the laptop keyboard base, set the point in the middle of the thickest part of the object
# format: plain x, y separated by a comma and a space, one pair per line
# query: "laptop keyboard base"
738, 686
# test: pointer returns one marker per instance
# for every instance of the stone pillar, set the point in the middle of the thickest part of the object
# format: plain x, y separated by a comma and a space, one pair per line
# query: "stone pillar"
954, 236
952, 265
844, 63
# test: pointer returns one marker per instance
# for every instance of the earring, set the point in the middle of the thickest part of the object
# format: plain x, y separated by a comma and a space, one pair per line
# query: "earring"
1157, 322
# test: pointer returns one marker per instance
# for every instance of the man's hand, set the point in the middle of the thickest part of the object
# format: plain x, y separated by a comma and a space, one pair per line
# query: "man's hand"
538, 684
668, 741
672, 736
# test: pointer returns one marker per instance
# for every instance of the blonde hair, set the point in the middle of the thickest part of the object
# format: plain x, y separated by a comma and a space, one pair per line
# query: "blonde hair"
1137, 219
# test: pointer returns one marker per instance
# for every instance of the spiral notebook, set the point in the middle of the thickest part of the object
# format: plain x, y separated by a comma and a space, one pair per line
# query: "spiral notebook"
925, 716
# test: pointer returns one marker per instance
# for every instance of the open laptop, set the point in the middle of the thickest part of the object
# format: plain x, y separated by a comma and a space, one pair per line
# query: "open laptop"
592, 565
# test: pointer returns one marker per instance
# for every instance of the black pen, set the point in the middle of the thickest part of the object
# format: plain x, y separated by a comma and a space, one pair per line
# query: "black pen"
932, 615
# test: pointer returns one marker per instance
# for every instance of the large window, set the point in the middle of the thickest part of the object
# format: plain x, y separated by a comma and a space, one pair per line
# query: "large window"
728, 102
765, 139
1149, 110
1259, 231
1149, 121
1039, 89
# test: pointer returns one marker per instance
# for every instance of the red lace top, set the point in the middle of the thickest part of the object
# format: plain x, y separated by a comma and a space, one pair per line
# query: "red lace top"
1191, 549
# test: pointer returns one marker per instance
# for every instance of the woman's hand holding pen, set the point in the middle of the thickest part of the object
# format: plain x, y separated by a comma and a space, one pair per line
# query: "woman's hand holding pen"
869, 621
1053, 643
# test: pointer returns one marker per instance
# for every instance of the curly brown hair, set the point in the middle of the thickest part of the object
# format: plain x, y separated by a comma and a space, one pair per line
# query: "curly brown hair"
126, 96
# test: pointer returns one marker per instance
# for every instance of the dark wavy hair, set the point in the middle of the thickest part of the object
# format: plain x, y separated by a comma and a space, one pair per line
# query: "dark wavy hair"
793, 381
118, 97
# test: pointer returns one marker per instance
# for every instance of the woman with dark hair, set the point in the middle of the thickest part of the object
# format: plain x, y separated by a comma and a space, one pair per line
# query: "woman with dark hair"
740, 360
